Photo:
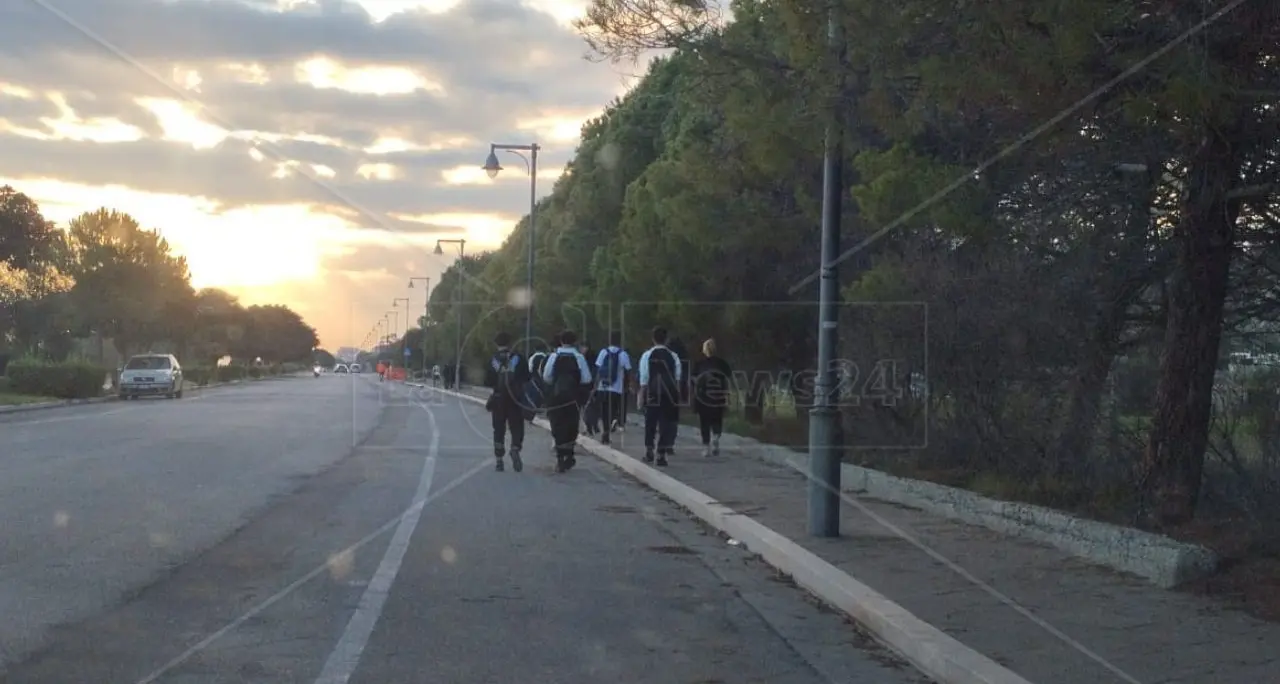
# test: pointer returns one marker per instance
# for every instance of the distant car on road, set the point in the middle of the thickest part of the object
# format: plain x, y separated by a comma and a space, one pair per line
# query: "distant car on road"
341, 368
151, 375
356, 368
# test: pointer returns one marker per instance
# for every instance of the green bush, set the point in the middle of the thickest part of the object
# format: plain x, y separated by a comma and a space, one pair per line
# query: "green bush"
229, 373
199, 375
255, 372
71, 379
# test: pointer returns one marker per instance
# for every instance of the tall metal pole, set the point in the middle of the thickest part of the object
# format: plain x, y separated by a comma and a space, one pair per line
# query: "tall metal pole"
824, 451
426, 305
457, 353
533, 235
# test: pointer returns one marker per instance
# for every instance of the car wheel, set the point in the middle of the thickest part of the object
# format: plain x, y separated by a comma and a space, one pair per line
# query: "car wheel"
178, 394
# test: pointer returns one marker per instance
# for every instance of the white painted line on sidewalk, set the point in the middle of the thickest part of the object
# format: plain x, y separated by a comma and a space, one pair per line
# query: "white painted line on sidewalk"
344, 659
413, 510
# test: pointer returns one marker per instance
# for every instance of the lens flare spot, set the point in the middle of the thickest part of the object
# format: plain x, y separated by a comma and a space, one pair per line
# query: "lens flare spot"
340, 564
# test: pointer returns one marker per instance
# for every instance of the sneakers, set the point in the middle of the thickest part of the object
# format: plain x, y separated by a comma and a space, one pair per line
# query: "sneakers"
715, 445
499, 466
706, 451
662, 460
648, 455
517, 463
565, 462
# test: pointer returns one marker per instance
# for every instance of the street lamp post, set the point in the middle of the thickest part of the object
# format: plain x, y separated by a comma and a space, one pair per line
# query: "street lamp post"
824, 452
426, 302
492, 167
395, 304
457, 349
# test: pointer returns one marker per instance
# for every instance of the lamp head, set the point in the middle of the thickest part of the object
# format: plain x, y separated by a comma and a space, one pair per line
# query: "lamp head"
491, 165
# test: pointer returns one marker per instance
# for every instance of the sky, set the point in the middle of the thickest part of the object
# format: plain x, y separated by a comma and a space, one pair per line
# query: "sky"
301, 152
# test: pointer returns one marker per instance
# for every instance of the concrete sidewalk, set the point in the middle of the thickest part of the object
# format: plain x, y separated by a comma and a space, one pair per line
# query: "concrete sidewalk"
1045, 615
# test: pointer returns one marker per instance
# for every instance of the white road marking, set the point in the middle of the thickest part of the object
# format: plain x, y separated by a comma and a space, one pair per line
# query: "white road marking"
413, 510
344, 659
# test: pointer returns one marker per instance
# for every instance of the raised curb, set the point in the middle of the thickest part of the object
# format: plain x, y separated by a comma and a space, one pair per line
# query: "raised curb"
23, 408
929, 649
1163, 561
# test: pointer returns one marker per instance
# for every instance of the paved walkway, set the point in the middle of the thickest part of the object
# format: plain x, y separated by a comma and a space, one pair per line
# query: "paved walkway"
1048, 616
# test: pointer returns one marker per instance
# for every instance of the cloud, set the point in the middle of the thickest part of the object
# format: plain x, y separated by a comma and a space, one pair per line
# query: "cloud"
374, 114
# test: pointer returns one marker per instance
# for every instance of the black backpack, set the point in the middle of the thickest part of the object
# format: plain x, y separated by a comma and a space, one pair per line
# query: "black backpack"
566, 376
664, 388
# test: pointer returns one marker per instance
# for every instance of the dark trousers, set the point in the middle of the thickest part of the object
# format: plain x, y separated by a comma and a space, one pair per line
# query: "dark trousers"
564, 418
590, 409
612, 407
507, 416
711, 422
660, 421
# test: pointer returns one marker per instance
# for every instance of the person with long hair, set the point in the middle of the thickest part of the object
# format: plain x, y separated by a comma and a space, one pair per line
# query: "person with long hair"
712, 388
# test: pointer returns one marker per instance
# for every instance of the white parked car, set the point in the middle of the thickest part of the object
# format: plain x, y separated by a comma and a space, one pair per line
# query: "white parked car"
341, 368
355, 368
151, 375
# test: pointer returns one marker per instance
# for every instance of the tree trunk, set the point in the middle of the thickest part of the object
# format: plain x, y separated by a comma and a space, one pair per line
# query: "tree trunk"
1079, 427
1173, 464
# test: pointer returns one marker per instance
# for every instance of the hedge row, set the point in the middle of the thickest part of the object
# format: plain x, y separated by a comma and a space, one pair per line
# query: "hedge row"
74, 379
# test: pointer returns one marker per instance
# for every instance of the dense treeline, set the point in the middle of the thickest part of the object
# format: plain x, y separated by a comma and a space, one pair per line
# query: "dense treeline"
107, 278
1082, 198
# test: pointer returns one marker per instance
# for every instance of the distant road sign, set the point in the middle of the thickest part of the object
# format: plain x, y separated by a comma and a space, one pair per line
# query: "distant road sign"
408, 352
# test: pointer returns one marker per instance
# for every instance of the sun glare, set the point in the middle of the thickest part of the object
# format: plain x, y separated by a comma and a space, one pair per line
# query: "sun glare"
183, 123
244, 247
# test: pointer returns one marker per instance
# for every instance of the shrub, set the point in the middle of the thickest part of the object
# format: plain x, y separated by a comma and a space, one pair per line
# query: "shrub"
71, 379
199, 375
229, 373
255, 372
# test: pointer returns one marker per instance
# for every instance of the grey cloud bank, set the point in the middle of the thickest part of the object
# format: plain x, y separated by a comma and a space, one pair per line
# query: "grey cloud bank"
497, 63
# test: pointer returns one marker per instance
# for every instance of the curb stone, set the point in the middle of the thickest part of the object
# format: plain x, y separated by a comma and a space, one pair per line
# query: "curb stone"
44, 405
1161, 560
933, 652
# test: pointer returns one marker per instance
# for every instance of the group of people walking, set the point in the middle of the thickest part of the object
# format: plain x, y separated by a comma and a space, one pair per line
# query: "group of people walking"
574, 391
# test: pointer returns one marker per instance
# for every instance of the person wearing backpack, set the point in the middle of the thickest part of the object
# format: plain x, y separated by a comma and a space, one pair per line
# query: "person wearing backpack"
568, 380
712, 384
660, 373
507, 376
613, 364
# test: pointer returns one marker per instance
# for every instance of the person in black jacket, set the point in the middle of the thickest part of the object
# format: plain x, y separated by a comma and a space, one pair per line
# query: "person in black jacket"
568, 380
712, 388
661, 375
507, 376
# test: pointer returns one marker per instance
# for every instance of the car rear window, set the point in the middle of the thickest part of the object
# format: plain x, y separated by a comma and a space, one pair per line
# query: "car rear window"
148, 363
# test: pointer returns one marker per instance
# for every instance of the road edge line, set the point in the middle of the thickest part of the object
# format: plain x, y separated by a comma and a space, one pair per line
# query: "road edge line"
930, 650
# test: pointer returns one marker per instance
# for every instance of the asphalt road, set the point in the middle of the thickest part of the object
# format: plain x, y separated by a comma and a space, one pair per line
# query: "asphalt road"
340, 530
